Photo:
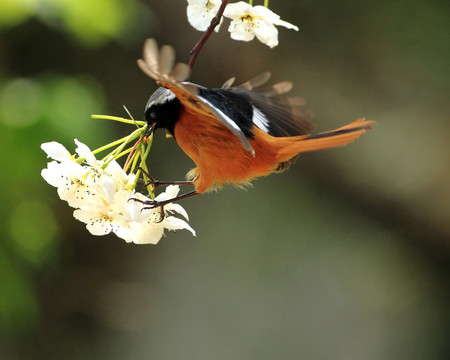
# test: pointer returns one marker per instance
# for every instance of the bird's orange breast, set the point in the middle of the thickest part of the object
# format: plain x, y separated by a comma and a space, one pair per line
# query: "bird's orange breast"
219, 155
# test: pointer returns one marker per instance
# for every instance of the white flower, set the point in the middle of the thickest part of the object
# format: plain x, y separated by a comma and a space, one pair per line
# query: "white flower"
113, 211
201, 12
102, 196
147, 225
248, 22
107, 212
70, 178
113, 169
78, 184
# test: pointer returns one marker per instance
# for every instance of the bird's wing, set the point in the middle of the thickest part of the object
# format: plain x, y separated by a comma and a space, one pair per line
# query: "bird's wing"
159, 64
280, 116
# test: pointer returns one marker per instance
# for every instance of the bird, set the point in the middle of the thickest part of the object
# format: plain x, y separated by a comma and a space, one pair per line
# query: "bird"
233, 134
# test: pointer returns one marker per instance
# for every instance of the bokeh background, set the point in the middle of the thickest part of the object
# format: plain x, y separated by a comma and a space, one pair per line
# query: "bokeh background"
345, 256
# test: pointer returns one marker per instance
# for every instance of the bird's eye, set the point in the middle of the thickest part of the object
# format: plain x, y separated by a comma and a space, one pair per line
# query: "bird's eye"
152, 115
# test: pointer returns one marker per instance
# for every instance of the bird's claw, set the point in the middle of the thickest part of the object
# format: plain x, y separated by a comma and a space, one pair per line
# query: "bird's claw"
154, 183
151, 205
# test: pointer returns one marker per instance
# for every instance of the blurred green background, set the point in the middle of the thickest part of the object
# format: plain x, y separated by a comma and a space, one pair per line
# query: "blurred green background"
345, 256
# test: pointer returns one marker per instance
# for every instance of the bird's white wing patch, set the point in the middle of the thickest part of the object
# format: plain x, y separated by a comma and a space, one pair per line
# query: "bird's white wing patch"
260, 120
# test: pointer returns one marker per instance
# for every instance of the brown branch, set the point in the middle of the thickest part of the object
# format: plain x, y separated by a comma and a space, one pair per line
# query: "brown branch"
214, 22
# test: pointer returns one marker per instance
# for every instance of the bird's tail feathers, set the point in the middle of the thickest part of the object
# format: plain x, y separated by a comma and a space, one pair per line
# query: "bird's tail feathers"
338, 137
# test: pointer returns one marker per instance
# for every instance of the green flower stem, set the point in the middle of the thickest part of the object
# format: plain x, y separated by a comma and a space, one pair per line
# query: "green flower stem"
107, 146
135, 134
266, 3
141, 151
118, 152
136, 159
119, 119
125, 152
144, 156
144, 151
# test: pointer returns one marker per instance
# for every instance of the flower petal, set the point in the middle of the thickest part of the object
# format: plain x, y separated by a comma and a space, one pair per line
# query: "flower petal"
95, 224
56, 151
286, 24
173, 223
201, 12
77, 194
267, 33
241, 30
125, 233
53, 174
178, 209
108, 187
170, 193
236, 10
148, 233
83, 151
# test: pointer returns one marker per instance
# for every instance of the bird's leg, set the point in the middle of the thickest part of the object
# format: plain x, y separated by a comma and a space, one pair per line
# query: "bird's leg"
153, 204
156, 183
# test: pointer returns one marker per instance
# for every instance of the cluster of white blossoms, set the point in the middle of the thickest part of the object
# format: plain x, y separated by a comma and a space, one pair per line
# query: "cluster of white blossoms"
247, 21
102, 193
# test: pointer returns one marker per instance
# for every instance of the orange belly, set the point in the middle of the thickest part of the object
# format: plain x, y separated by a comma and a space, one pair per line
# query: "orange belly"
219, 155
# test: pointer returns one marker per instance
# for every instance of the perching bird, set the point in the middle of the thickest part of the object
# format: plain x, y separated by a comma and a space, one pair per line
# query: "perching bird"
233, 134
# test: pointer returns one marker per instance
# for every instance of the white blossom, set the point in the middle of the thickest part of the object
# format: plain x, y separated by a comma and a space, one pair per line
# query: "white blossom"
249, 21
107, 212
147, 225
102, 192
69, 177
201, 12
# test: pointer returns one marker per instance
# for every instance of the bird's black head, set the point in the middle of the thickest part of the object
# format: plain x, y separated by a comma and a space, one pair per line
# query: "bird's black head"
162, 109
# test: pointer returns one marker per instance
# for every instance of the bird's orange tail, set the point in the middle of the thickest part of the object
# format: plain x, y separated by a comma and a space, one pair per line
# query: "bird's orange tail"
339, 137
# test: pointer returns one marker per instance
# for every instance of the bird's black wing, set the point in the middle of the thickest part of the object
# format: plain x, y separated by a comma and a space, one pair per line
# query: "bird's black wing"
276, 115
248, 105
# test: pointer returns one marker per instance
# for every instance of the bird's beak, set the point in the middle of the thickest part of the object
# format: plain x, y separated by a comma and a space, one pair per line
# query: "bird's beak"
151, 129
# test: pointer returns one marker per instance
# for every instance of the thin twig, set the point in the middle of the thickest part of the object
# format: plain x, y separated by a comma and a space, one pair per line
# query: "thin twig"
214, 22
127, 163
